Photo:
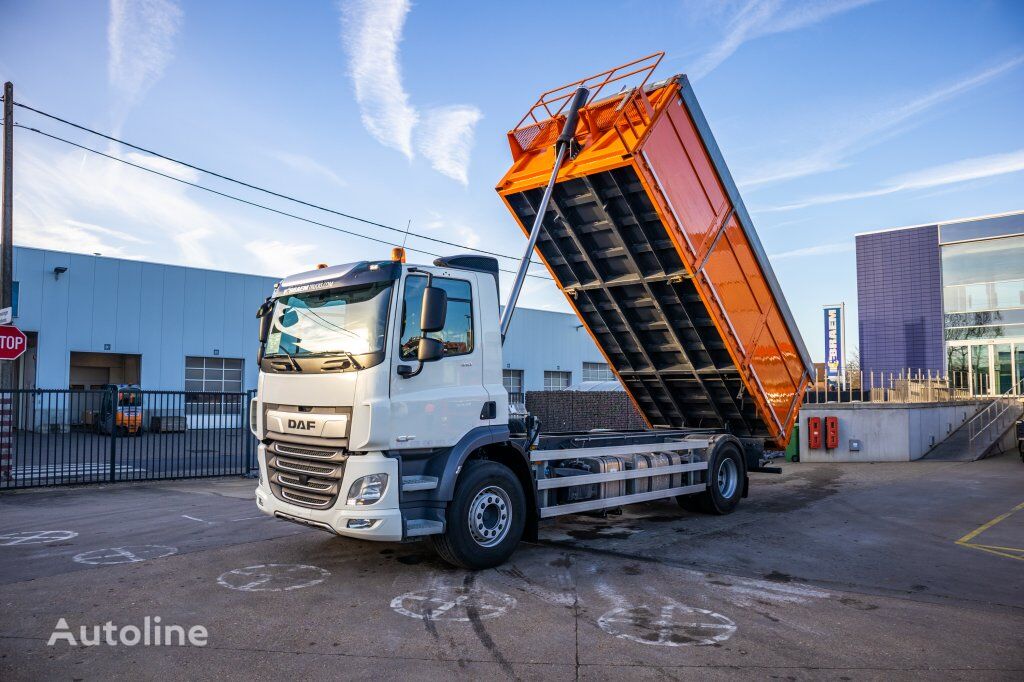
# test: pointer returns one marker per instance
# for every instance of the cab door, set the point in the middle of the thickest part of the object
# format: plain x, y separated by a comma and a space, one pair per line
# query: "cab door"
445, 400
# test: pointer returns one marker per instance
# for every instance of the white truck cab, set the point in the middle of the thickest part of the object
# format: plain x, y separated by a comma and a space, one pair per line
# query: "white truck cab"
362, 426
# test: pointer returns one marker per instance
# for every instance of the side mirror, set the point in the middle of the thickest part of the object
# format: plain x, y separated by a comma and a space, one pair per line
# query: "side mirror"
429, 349
263, 314
434, 310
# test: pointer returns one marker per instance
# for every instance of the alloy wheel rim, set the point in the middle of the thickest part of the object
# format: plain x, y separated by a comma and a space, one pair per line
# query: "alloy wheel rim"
727, 477
490, 515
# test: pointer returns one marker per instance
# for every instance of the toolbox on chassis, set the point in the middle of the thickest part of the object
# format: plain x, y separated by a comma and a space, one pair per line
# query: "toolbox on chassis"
380, 408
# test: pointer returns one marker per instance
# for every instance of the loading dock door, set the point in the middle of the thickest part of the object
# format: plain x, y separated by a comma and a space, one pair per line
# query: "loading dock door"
89, 372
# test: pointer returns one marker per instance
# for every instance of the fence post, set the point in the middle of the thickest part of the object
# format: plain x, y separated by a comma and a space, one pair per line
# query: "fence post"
113, 431
248, 466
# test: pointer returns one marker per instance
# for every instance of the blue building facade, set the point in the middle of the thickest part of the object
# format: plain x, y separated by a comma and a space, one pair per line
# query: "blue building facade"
93, 320
947, 297
899, 299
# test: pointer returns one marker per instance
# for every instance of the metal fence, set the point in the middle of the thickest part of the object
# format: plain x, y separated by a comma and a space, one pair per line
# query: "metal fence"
904, 386
62, 437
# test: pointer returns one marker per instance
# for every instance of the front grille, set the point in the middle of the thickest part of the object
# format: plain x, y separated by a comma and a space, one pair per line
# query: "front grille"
305, 476
315, 453
304, 467
314, 501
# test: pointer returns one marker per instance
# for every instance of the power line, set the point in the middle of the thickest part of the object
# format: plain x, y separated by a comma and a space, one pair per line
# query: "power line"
238, 198
263, 189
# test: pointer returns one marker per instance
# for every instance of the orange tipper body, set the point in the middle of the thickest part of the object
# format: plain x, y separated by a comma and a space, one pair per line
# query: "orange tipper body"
648, 237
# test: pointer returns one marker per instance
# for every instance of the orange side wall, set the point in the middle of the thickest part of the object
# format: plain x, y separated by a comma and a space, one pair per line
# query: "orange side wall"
692, 200
680, 178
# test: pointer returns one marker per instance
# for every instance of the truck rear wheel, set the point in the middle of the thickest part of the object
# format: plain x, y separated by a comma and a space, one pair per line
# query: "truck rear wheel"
485, 519
725, 483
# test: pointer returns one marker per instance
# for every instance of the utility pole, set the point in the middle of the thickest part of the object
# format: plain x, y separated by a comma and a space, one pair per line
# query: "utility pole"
7, 230
6, 282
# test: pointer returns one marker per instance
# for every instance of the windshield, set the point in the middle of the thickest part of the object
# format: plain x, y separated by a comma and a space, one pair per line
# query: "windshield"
336, 321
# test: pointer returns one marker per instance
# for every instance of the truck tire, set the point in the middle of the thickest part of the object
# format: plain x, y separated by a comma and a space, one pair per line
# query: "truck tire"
725, 483
485, 519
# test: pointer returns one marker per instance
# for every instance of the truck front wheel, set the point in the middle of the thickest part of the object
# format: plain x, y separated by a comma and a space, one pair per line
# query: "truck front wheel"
485, 519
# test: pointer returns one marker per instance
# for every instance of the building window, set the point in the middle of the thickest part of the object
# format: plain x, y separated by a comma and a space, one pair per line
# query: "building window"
556, 381
213, 385
597, 371
512, 380
457, 335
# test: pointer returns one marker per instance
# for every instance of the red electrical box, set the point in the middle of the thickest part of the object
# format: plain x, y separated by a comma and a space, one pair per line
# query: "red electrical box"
814, 433
831, 433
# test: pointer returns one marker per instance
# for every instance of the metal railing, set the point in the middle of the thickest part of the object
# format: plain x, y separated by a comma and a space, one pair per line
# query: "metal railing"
986, 427
64, 437
904, 386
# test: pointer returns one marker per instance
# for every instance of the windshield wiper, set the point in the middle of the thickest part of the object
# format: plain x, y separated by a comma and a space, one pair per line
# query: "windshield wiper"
294, 363
344, 353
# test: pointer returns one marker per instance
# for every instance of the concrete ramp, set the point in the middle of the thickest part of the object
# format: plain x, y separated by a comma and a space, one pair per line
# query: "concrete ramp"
981, 435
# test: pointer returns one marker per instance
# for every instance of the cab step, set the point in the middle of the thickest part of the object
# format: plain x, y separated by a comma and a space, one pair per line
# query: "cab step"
414, 483
417, 527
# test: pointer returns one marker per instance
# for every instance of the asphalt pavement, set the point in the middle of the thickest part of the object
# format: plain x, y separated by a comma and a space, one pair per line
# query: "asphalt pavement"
868, 571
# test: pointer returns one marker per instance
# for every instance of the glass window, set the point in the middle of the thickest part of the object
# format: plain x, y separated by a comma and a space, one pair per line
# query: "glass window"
1003, 368
597, 371
979, 370
957, 365
991, 260
556, 381
986, 227
336, 321
513, 380
207, 379
1019, 352
457, 335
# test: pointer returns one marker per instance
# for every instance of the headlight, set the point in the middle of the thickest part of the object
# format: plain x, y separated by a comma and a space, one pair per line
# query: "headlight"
368, 489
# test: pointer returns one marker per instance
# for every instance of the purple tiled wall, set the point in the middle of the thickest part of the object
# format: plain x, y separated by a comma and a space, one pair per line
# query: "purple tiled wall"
899, 300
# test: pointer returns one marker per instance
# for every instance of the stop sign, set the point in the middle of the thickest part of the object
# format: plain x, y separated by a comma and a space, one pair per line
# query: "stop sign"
12, 342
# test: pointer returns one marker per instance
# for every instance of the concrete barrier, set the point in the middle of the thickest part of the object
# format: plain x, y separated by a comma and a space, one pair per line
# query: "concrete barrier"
886, 432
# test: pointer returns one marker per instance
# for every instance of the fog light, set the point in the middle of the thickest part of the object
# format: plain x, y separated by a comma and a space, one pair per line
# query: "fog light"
368, 489
362, 524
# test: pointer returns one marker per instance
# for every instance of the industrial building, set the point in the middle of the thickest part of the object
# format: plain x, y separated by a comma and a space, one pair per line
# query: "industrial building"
93, 320
945, 297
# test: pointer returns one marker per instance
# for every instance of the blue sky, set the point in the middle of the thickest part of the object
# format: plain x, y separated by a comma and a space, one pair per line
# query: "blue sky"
835, 118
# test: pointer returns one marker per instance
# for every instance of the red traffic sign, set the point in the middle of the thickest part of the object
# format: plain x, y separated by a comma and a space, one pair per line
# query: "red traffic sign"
12, 342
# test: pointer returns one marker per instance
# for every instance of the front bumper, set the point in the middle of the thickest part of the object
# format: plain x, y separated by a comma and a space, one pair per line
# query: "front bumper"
385, 514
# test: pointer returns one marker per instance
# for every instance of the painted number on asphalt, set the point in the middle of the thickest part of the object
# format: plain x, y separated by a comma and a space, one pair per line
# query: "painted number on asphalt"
130, 554
273, 577
453, 603
671, 625
35, 537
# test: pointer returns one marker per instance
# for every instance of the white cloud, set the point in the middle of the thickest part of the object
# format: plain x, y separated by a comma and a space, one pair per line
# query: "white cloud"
284, 258
819, 250
937, 176
371, 32
759, 18
445, 138
140, 38
866, 131
309, 166
454, 230
78, 202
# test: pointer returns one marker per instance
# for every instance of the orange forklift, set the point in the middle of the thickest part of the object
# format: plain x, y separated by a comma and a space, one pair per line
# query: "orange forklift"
126, 416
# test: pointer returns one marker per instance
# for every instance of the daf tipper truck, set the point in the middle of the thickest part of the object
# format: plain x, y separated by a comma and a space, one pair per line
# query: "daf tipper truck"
381, 412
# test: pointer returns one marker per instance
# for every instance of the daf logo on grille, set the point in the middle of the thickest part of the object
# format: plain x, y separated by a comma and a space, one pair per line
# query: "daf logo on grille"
302, 424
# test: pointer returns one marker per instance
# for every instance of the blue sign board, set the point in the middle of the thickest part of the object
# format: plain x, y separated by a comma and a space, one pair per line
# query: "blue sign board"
835, 354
